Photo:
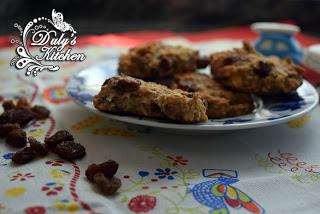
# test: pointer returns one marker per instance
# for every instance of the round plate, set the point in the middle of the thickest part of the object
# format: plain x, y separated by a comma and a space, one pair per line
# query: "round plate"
83, 86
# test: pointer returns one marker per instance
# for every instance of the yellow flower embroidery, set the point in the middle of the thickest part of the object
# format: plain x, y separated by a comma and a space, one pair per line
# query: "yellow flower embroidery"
112, 131
15, 191
300, 122
86, 123
65, 205
36, 132
57, 173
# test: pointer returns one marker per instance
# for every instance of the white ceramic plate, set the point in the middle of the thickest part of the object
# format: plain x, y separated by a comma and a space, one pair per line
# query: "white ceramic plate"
83, 86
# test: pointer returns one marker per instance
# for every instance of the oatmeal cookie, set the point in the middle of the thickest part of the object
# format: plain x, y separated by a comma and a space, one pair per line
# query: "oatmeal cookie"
155, 60
245, 70
221, 102
124, 94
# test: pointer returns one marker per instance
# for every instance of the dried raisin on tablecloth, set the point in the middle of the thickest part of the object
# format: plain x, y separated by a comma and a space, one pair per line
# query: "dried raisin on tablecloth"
7, 105
23, 102
37, 147
17, 138
6, 128
40, 112
107, 186
108, 168
23, 156
57, 138
21, 115
70, 150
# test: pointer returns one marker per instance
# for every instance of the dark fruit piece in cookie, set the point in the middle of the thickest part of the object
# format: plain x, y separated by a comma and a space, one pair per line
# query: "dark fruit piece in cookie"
263, 69
202, 62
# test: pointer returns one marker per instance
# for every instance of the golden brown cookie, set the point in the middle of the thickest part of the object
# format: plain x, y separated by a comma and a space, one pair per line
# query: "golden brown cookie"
124, 94
156, 60
221, 102
245, 70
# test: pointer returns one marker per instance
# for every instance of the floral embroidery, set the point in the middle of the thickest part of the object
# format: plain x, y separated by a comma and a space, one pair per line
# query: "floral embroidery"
97, 125
143, 173
2, 207
15, 191
87, 123
66, 205
37, 123
55, 163
178, 160
142, 203
59, 173
283, 162
36, 132
21, 177
300, 122
56, 94
52, 188
165, 173
35, 210
8, 156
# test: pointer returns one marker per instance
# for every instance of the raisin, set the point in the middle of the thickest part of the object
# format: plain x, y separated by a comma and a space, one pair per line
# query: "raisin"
127, 85
154, 72
7, 105
154, 107
202, 62
108, 168
232, 59
23, 156
263, 69
106, 81
5, 129
57, 138
23, 102
21, 115
37, 146
40, 112
17, 138
70, 150
91, 171
165, 63
107, 186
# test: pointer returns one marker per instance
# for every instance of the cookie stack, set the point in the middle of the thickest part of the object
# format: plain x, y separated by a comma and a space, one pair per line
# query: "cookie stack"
162, 81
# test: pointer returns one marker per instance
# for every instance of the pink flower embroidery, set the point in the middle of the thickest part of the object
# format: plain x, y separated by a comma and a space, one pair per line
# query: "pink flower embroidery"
178, 160
55, 163
52, 188
35, 210
21, 177
142, 203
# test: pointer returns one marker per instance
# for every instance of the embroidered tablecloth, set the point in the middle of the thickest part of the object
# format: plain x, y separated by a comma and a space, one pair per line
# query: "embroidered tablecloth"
272, 170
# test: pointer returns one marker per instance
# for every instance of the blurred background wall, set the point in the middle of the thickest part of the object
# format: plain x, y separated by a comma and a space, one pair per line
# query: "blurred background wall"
105, 16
